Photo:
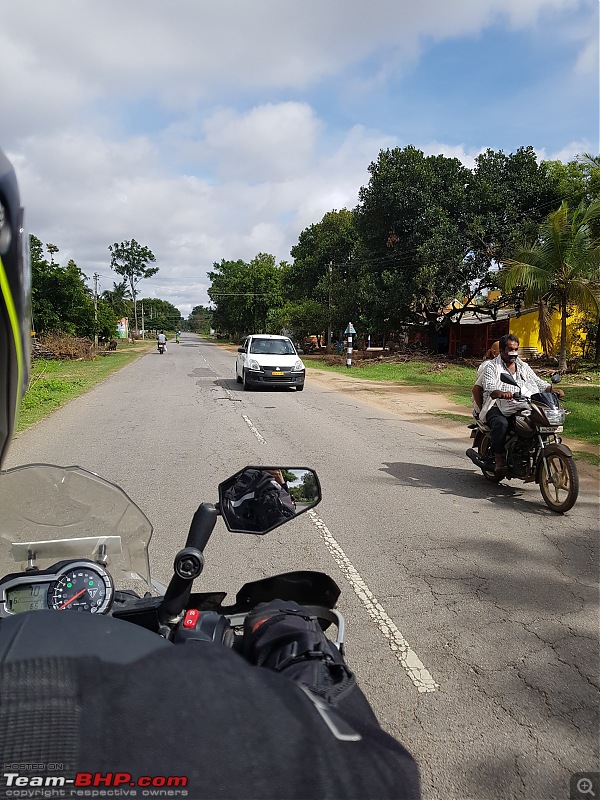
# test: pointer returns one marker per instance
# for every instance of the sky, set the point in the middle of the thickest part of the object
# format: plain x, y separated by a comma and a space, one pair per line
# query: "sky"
220, 130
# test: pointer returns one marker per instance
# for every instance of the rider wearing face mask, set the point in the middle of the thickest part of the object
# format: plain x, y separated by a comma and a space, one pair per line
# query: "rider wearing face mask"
285, 720
499, 404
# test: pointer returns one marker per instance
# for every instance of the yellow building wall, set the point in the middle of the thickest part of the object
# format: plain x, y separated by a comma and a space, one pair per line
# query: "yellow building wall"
526, 328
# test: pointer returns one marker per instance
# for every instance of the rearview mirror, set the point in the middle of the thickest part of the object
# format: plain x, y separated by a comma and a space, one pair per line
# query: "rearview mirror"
259, 499
555, 377
506, 378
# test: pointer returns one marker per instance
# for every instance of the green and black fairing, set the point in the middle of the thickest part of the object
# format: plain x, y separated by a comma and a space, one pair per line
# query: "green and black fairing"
15, 308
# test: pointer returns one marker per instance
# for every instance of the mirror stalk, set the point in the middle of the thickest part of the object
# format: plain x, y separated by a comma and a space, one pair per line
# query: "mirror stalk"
202, 526
189, 563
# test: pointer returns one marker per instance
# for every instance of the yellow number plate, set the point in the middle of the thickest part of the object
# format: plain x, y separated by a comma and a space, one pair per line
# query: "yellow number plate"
277, 373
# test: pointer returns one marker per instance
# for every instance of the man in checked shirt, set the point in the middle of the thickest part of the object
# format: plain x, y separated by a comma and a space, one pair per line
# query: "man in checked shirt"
498, 396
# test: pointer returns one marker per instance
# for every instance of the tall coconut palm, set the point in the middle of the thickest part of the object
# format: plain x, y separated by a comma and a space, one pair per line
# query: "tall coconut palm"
119, 299
561, 268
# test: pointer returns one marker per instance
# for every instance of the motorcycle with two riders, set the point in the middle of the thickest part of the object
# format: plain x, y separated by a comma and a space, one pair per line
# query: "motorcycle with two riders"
533, 449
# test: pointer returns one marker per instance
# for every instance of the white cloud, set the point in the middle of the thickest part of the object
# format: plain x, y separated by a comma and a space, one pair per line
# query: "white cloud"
453, 151
587, 63
84, 192
567, 153
270, 142
187, 125
185, 50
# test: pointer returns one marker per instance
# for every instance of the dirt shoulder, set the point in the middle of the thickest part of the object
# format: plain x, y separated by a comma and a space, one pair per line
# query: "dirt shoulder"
423, 406
415, 404
406, 401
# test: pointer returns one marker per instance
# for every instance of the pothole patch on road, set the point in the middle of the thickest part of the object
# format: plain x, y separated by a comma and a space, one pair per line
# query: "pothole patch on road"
201, 372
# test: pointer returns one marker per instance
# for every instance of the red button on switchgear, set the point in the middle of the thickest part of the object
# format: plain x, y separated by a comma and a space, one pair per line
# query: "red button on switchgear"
191, 618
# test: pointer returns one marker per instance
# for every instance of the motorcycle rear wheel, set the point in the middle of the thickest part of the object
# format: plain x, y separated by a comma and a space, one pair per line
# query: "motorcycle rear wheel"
561, 489
482, 449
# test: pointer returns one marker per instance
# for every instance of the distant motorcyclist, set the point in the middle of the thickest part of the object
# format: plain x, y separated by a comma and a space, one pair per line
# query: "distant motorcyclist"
287, 721
498, 403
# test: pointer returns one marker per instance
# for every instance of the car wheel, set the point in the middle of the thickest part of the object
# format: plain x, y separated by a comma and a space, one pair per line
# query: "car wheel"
247, 386
237, 377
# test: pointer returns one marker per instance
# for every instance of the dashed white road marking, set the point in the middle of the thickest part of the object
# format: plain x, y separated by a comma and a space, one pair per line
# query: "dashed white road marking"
248, 422
409, 660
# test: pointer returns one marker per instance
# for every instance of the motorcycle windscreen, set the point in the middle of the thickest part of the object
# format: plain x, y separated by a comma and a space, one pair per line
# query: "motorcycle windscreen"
50, 513
546, 399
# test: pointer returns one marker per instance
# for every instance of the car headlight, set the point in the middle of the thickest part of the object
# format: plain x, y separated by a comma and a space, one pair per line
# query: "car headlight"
254, 365
298, 366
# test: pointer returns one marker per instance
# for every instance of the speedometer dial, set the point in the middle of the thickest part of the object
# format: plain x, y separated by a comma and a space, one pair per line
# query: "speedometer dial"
87, 589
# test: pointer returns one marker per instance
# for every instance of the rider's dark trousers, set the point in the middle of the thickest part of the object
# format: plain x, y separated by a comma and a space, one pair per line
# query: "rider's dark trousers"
498, 425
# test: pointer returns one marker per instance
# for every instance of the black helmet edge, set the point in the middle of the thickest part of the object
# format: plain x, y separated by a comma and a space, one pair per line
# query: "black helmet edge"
15, 310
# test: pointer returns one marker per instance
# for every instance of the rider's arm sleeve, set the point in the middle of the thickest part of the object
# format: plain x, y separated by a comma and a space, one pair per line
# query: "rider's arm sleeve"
539, 382
490, 378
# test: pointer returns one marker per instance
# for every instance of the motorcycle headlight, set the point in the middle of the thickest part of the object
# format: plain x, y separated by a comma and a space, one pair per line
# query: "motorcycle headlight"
298, 366
254, 365
555, 416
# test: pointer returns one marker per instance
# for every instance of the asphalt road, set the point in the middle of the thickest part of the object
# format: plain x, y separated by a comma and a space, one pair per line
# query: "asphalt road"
471, 609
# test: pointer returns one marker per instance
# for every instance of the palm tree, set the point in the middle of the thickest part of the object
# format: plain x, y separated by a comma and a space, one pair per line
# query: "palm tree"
119, 299
561, 268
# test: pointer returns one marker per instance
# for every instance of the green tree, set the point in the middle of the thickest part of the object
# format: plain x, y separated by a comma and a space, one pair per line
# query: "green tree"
107, 320
243, 294
305, 318
160, 315
577, 181
309, 486
60, 298
52, 249
119, 299
230, 296
508, 197
200, 320
562, 267
432, 230
325, 272
130, 259
413, 231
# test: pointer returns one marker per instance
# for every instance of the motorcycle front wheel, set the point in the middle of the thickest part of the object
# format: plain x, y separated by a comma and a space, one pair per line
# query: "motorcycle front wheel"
482, 449
559, 484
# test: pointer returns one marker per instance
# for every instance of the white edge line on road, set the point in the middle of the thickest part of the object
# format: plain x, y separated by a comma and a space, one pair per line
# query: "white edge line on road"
248, 422
409, 660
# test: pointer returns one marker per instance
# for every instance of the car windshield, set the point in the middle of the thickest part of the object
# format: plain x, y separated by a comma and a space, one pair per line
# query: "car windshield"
276, 347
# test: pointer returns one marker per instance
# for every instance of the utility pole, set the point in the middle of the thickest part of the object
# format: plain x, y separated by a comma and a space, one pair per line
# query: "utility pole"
329, 305
143, 326
96, 276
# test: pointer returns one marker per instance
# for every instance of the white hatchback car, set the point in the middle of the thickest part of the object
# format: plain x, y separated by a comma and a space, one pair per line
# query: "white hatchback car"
265, 360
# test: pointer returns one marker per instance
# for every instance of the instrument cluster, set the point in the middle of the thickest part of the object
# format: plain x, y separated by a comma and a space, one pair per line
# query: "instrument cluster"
82, 586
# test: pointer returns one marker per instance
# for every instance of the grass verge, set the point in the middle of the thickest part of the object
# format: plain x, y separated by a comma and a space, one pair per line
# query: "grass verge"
54, 383
583, 455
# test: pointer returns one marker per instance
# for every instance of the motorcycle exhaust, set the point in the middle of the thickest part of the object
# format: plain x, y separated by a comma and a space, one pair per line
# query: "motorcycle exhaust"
476, 458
